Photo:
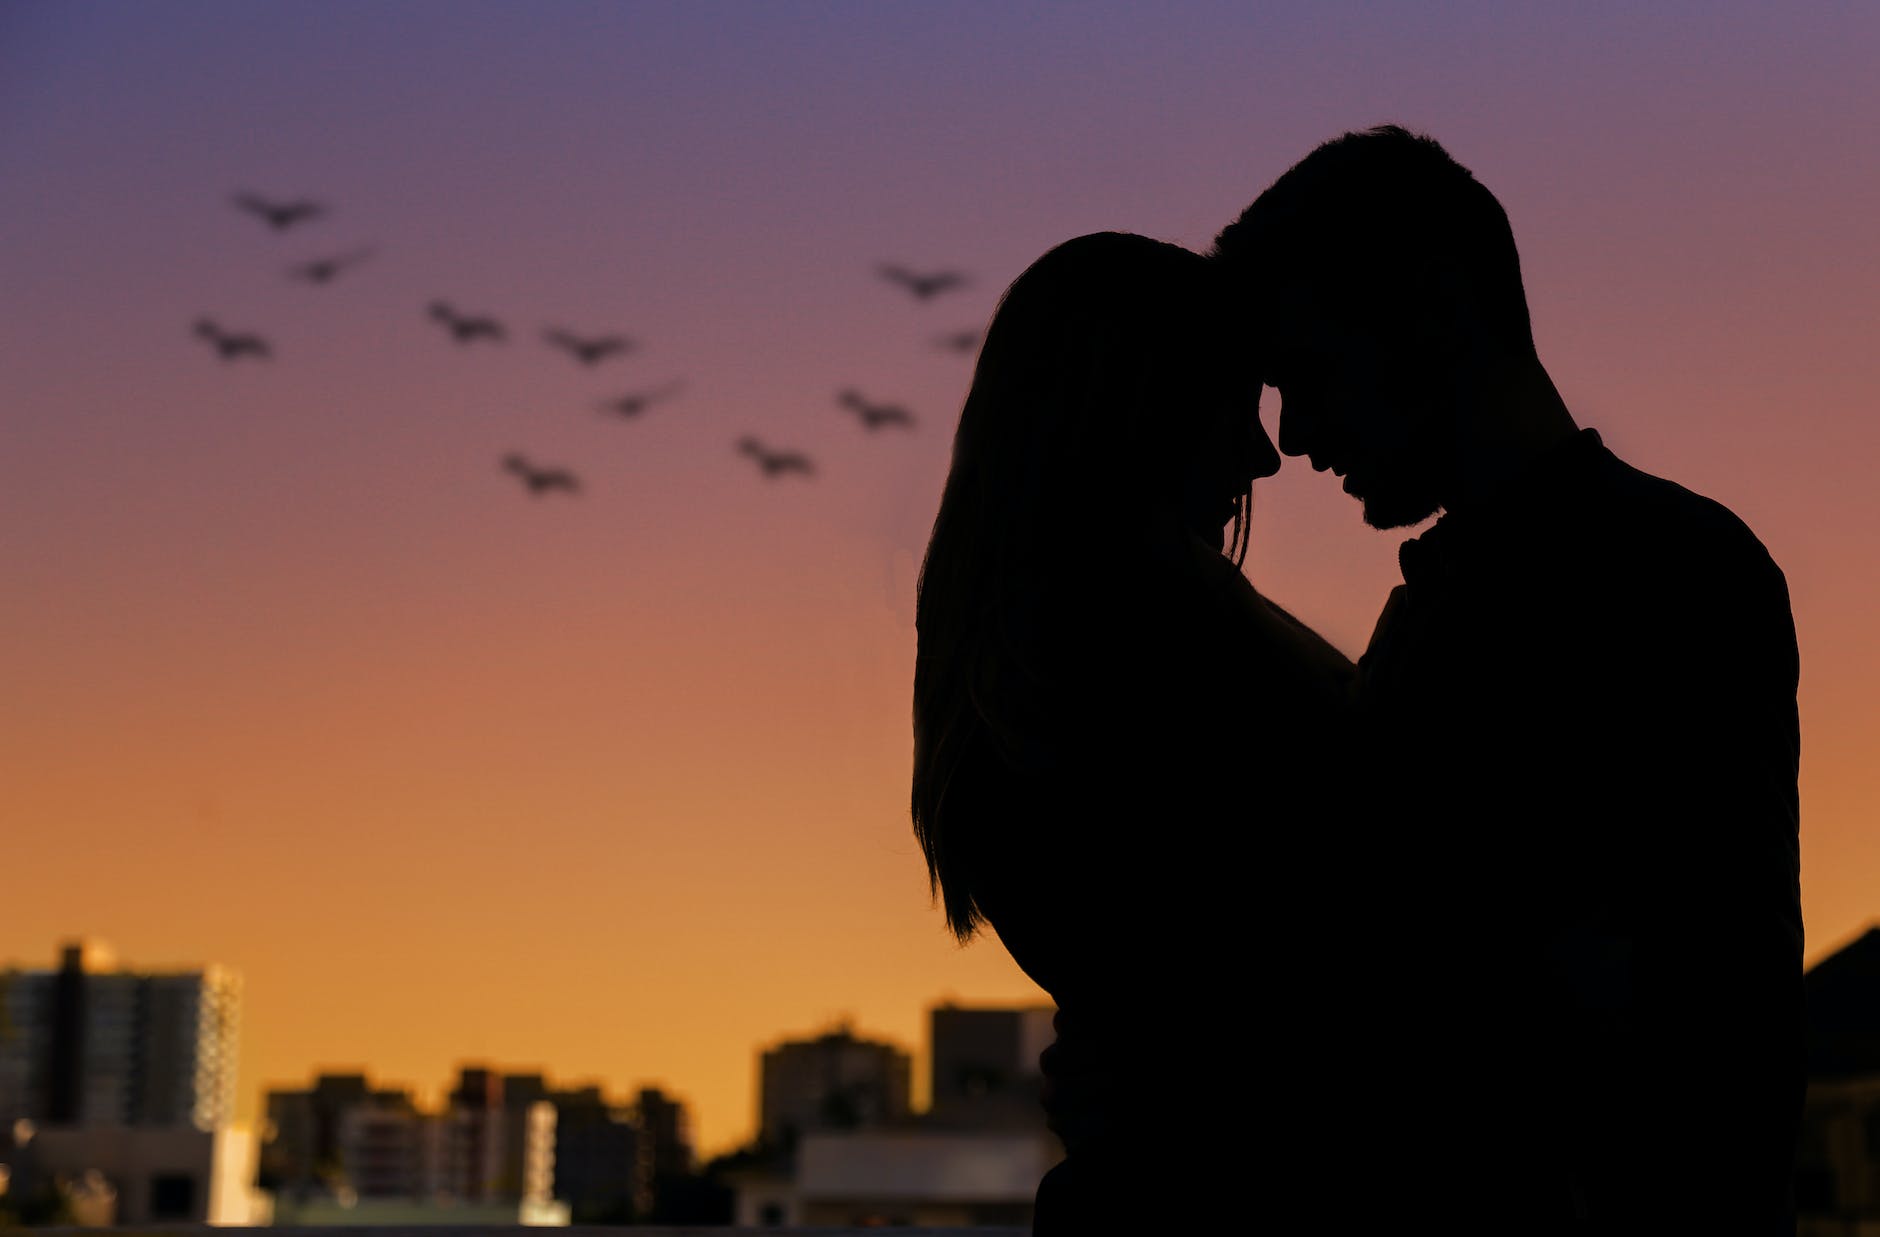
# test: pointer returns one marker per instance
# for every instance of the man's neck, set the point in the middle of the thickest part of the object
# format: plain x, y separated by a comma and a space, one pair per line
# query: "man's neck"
1513, 418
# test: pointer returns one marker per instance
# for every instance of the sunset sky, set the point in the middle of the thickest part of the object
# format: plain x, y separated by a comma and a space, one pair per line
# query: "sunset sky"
294, 678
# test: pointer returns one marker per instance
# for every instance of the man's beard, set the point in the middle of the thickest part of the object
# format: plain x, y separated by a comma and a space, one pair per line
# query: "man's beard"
1399, 509
1408, 492
1407, 485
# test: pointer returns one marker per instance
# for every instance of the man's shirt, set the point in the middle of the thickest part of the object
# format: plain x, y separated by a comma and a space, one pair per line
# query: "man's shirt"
1581, 706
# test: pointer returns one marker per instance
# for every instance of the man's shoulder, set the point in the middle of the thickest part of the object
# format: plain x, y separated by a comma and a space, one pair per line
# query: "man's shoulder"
1674, 532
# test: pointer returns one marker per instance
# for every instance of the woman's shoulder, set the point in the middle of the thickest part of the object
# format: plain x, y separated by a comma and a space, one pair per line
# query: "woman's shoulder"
1238, 622
1148, 629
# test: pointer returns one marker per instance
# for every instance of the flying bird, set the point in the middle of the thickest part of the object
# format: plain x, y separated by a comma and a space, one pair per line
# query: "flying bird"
465, 328
279, 215
633, 403
923, 287
540, 480
775, 463
233, 345
874, 416
324, 270
957, 341
588, 351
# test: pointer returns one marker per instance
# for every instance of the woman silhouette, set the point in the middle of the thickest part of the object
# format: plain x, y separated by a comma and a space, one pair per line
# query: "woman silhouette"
1121, 750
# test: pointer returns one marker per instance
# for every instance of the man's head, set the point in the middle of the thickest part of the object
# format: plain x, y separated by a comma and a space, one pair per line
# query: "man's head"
1386, 285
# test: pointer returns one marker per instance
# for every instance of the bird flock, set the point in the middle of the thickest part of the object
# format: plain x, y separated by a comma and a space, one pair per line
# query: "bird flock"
472, 329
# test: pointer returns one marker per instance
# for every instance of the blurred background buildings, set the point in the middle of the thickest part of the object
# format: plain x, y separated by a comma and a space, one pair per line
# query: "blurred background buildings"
116, 1103
840, 1142
117, 1086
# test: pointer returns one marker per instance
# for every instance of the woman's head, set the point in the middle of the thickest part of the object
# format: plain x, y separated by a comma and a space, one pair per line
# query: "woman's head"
1114, 376
1112, 402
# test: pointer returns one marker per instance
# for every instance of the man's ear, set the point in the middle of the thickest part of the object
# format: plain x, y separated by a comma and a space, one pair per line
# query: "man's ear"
1454, 325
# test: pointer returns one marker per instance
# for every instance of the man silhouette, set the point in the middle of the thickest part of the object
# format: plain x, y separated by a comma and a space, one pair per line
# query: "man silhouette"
1581, 848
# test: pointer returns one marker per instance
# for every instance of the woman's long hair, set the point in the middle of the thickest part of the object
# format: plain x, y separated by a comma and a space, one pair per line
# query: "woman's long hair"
1065, 443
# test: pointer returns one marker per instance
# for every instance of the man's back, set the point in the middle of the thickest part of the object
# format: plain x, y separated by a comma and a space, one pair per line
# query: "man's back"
1583, 702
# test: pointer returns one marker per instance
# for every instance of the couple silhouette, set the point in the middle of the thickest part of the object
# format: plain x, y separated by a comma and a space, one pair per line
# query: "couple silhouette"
1498, 929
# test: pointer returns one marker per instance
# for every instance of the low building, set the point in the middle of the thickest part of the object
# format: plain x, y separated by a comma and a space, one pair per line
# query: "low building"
985, 1072
1837, 1161
156, 1174
928, 1178
836, 1081
345, 1212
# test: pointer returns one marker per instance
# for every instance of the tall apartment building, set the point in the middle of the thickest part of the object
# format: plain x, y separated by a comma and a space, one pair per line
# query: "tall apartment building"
89, 1044
835, 1081
125, 1081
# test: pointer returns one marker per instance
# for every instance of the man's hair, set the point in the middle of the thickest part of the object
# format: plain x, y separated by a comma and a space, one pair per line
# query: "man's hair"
1372, 219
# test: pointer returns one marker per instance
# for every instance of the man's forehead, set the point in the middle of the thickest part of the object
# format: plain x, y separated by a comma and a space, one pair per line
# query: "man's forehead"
1301, 323
1296, 304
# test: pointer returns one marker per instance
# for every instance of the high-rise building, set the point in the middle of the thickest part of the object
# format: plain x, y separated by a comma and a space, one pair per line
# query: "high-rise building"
500, 1141
496, 1138
344, 1138
381, 1147
985, 1071
301, 1153
89, 1044
597, 1146
833, 1082
665, 1147
25, 1030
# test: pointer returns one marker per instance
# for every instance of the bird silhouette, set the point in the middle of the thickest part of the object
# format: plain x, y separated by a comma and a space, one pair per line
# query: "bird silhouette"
324, 270
588, 351
874, 416
923, 287
465, 328
231, 345
633, 403
540, 480
775, 463
957, 341
279, 215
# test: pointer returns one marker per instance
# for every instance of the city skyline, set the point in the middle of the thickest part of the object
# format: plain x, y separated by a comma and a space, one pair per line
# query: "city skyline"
303, 682
24, 1042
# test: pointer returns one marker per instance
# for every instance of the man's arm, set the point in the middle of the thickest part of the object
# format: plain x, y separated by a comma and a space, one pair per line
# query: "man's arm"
1717, 1017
